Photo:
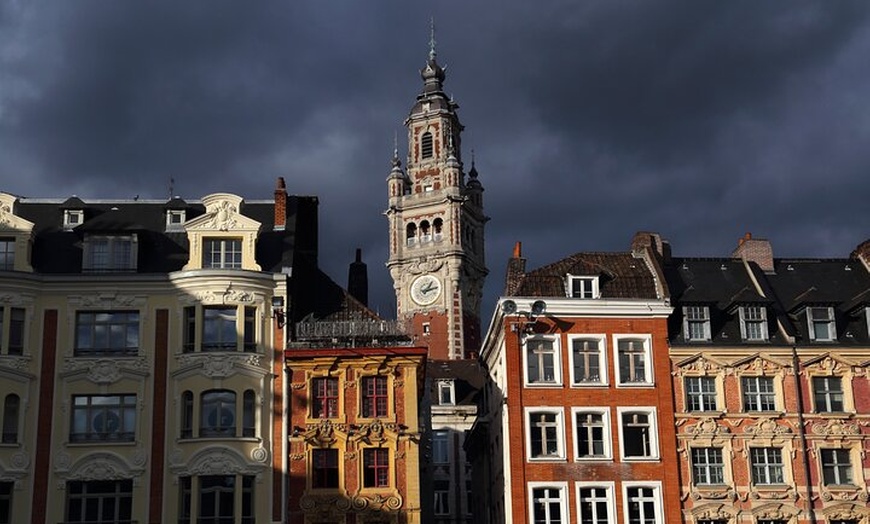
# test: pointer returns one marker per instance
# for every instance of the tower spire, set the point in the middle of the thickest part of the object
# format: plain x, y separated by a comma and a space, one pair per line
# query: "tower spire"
432, 38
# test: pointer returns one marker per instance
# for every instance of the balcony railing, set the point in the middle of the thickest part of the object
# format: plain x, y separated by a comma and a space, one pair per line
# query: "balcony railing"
351, 333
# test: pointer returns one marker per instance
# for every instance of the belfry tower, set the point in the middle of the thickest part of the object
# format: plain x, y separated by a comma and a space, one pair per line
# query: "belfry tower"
437, 226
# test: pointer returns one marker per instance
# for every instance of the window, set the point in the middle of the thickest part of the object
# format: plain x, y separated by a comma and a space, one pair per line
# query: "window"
113, 333
426, 149
219, 329
249, 402
109, 253
324, 397
549, 504
442, 497
7, 254
542, 362
836, 467
753, 323
633, 358
324, 468
13, 344
6, 502
758, 394
217, 499
638, 432
440, 447
696, 323
592, 433
595, 504
411, 234
174, 219
708, 468
376, 468
446, 394
218, 413
587, 361
583, 287
437, 226
72, 218
103, 418
11, 416
643, 504
222, 253
700, 393
374, 397
187, 414
821, 324
766, 465
545, 433
99, 501
425, 231
828, 394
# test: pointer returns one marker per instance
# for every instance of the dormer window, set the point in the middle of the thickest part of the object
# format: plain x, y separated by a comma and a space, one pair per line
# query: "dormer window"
821, 324
583, 287
109, 253
222, 253
696, 323
753, 323
446, 393
175, 219
72, 218
426, 145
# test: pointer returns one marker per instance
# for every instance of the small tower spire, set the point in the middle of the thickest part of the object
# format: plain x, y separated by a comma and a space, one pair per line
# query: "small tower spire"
396, 161
432, 38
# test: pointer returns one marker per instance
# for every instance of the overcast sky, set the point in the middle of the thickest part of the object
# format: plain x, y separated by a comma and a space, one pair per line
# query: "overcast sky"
590, 120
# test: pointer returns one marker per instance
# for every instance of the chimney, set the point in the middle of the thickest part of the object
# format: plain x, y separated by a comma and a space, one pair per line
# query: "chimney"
358, 279
516, 269
862, 253
756, 250
280, 204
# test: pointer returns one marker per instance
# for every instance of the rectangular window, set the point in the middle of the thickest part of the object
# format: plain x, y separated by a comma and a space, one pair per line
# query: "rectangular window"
587, 360
595, 504
376, 468
189, 335
700, 393
592, 434
6, 502
219, 328
109, 253
250, 330
217, 499
696, 323
217, 413
99, 501
584, 287
440, 447
72, 218
222, 253
633, 358
324, 397
643, 504
545, 433
638, 433
14, 344
821, 324
324, 468
114, 333
103, 418
7, 254
542, 363
828, 394
442, 497
836, 467
767, 466
708, 467
753, 323
446, 395
374, 397
549, 504
758, 394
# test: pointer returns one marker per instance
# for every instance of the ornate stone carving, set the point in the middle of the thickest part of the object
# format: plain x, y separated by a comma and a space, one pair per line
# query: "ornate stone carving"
377, 502
328, 504
61, 461
6, 215
20, 460
707, 426
323, 433
219, 461
767, 426
229, 295
106, 370
297, 385
297, 456
17, 363
857, 494
260, 454
703, 494
140, 457
425, 265
773, 494
376, 431
219, 365
224, 217
835, 427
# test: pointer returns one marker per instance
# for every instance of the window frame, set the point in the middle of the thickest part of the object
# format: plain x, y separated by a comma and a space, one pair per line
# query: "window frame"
709, 467
588, 287
324, 474
78, 490
218, 406
609, 500
745, 393
325, 404
372, 469
603, 364
13, 330
652, 418
222, 252
7, 253
658, 506
558, 423
127, 320
427, 145
836, 467
6, 499
649, 373
746, 320
441, 446
769, 467
446, 386
125, 408
830, 319
828, 393
607, 437
697, 401
562, 498
371, 400
556, 361
116, 259
242, 331
11, 419
696, 315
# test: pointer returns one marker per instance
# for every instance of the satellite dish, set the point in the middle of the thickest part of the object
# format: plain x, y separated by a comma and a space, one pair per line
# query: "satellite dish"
509, 307
538, 307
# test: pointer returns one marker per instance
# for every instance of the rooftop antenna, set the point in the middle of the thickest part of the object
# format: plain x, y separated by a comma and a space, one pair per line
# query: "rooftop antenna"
171, 188
432, 38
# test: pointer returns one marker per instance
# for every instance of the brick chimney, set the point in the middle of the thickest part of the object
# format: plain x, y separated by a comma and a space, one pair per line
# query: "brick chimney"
516, 269
280, 204
756, 250
862, 253
358, 279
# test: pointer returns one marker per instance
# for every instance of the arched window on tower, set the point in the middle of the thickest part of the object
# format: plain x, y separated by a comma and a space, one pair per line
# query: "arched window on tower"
411, 234
426, 145
425, 232
437, 225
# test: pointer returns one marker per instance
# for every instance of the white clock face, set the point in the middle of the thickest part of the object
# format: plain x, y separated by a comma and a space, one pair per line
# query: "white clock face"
425, 289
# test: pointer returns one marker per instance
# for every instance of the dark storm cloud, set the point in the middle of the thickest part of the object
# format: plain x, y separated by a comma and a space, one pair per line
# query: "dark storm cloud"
590, 120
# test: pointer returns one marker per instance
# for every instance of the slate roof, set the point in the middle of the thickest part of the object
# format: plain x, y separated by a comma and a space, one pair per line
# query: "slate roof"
467, 375
621, 275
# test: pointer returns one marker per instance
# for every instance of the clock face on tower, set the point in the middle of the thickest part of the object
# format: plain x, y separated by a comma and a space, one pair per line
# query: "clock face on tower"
425, 289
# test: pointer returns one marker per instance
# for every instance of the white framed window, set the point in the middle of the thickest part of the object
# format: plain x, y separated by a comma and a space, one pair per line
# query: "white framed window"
548, 502
592, 439
596, 502
446, 393
582, 287
708, 466
696, 323
545, 433
767, 466
638, 433
72, 218
175, 219
7, 254
642, 502
836, 467
222, 253
753, 323
633, 356
110, 253
700, 393
828, 394
821, 323
542, 361
758, 394
588, 360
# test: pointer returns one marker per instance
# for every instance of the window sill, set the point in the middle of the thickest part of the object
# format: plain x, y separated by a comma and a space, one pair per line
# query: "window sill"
217, 439
543, 385
630, 385
89, 443
547, 459
641, 459
589, 384
593, 459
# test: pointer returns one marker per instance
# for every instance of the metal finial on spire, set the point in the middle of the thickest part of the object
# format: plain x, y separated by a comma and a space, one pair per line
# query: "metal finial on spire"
432, 38
472, 158
396, 161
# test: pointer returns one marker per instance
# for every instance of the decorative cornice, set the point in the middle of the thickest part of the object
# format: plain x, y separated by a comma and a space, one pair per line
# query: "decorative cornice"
767, 426
835, 427
707, 426
106, 370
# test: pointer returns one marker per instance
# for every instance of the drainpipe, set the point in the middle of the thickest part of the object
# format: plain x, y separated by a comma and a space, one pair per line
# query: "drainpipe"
803, 434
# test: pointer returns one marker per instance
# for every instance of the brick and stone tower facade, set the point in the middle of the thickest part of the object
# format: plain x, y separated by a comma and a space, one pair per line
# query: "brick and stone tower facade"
436, 226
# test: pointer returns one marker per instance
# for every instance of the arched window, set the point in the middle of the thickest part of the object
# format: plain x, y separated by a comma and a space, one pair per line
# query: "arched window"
10, 418
217, 413
437, 225
248, 419
426, 148
425, 233
187, 415
411, 233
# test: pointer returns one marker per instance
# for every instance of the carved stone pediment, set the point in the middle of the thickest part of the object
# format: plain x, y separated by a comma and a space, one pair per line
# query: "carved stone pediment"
707, 426
100, 466
377, 432
9, 221
377, 502
222, 214
106, 370
835, 427
324, 433
774, 511
425, 265
220, 365
698, 364
767, 426
848, 511
827, 364
214, 461
726, 493
758, 365
844, 494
